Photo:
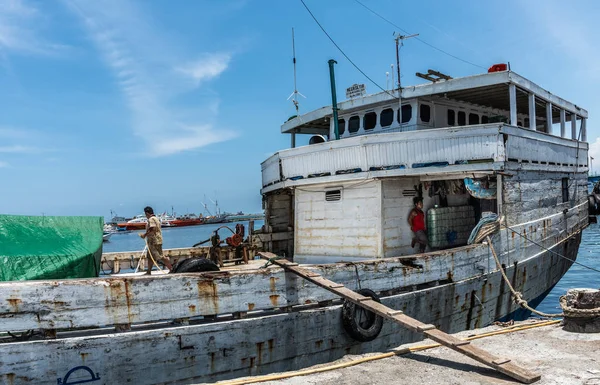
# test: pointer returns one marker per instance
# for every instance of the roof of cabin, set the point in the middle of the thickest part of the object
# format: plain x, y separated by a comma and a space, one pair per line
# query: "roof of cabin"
488, 89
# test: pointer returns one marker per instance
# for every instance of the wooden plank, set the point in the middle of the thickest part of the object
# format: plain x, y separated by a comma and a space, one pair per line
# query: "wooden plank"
480, 355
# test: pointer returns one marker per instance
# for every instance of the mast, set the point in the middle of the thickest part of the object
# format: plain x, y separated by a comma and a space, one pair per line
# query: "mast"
399, 43
295, 93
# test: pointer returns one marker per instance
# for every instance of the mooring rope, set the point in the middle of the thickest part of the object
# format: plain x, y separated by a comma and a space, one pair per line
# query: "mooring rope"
517, 296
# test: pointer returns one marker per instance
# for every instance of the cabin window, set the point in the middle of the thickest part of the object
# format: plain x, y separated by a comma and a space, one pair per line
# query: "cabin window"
462, 118
485, 119
425, 112
565, 189
370, 121
406, 113
341, 126
451, 117
333, 195
519, 123
526, 123
353, 124
473, 119
386, 117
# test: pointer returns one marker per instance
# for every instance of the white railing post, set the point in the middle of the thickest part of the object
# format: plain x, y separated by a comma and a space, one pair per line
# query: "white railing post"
583, 130
573, 126
549, 117
512, 92
563, 118
532, 118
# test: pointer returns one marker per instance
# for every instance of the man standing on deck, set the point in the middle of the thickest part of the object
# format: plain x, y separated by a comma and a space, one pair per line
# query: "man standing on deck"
416, 220
154, 240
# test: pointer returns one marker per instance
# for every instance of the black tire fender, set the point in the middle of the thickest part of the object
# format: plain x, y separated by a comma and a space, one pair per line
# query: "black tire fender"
361, 324
195, 265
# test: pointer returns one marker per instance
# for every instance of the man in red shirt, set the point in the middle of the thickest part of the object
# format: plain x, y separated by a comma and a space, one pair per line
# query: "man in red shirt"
416, 220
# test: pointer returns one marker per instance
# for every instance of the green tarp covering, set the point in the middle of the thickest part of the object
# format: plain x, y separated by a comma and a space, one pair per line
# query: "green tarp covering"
49, 247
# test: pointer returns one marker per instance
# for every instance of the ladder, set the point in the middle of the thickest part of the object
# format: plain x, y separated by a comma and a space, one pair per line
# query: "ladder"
503, 365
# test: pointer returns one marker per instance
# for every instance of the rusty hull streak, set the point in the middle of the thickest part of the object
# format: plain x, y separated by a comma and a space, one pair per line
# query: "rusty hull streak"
207, 291
274, 300
273, 282
251, 306
14, 303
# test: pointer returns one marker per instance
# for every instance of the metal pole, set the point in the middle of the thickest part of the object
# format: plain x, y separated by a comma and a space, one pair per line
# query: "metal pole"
334, 106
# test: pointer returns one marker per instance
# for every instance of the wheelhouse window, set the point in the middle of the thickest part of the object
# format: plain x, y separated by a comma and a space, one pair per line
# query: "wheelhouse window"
462, 118
485, 119
406, 113
370, 121
473, 119
386, 117
425, 113
451, 117
353, 124
341, 126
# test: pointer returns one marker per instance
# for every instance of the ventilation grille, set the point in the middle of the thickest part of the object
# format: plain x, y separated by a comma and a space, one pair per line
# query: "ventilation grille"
333, 195
409, 193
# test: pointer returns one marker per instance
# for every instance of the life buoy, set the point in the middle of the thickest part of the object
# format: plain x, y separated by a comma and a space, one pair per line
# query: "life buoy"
361, 324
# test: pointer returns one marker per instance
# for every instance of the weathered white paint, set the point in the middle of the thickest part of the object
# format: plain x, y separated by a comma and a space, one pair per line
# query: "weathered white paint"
279, 342
512, 96
427, 90
563, 123
396, 234
435, 145
584, 130
532, 116
574, 126
350, 227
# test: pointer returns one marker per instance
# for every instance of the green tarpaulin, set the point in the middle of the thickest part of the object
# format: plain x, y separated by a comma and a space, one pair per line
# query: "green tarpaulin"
49, 247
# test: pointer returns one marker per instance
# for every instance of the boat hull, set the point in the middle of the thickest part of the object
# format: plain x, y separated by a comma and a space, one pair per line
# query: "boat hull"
279, 341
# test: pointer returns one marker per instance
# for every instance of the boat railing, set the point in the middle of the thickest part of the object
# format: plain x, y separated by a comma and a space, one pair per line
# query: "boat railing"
455, 147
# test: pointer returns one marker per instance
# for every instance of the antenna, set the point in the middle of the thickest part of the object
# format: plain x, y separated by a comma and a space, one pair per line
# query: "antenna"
387, 80
392, 66
399, 43
295, 93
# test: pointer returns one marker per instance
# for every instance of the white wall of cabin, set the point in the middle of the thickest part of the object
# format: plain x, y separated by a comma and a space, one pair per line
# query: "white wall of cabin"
348, 228
396, 208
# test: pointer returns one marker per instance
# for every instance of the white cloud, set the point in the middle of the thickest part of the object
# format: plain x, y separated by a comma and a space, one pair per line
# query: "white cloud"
19, 149
206, 68
150, 74
21, 29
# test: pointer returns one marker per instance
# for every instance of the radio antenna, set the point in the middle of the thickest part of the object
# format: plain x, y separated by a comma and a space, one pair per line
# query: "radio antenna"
295, 93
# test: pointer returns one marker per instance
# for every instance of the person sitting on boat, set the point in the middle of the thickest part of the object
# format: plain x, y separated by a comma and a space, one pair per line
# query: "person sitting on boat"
416, 220
154, 240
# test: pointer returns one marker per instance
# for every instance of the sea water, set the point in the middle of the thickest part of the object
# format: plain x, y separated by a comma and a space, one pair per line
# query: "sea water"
577, 276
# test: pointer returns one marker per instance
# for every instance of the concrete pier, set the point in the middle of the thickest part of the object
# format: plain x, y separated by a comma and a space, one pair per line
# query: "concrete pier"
561, 357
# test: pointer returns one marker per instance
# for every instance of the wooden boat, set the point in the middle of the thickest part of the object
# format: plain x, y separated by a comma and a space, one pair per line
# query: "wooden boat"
339, 207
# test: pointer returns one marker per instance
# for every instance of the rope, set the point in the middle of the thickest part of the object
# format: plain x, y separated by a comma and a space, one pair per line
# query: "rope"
486, 226
550, 251
572, 312
152, 258
517, 296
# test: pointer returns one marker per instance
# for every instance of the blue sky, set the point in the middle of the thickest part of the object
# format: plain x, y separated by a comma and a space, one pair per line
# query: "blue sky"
119, 104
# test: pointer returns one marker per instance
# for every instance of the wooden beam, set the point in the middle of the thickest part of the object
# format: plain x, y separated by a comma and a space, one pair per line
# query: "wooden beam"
500, 364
